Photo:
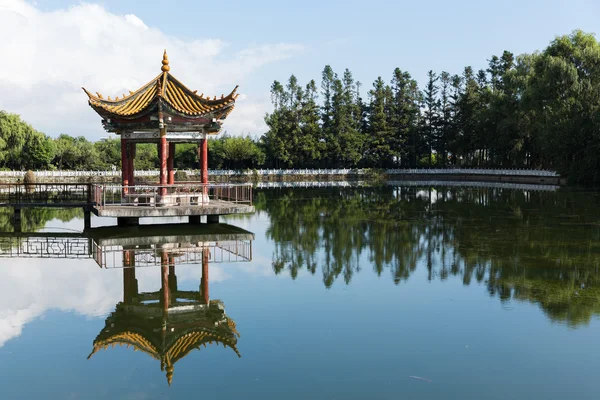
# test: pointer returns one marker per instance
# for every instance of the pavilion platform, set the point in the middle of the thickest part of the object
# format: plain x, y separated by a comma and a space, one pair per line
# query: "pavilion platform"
194, 200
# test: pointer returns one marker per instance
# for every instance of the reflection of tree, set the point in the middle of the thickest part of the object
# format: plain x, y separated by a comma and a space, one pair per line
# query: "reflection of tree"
335, 227
33, 219
537, 246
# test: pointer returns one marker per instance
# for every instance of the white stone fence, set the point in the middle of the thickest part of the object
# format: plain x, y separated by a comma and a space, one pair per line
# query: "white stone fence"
283, 172
423, 184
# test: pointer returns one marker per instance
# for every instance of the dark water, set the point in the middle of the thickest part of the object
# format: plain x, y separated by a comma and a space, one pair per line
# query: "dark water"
350, 293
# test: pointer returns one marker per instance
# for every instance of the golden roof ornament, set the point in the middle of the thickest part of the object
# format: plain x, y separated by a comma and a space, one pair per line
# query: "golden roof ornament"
165, 63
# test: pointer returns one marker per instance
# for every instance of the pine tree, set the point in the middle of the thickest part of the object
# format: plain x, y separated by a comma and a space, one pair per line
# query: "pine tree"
274, 141
346, 121
444, 118
431, 115
329, 138
310, 147
404, 116
381, 135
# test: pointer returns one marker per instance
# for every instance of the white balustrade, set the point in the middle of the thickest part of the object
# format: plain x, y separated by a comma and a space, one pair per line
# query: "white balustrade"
304, 172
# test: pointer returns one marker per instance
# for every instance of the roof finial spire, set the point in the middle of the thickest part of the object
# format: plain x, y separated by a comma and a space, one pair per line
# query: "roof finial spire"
165, 63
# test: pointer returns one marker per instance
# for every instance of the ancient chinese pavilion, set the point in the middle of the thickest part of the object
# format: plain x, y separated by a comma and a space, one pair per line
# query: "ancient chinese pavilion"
166, 112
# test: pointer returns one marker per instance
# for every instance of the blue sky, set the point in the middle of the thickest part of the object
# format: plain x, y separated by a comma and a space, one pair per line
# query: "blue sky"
371, 38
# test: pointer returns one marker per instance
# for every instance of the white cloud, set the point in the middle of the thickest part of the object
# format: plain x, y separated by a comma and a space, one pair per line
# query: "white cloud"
48, 56
75, 286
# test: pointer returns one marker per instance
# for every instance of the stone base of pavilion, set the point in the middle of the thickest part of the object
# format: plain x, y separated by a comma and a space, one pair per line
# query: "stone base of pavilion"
130, 215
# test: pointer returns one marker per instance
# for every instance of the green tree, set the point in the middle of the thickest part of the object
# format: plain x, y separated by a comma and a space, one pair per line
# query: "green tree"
242, 152
13, 135
347, 149
566, 93
381, 150
405, 117
431, 120
310, 148
109, 153
330, 140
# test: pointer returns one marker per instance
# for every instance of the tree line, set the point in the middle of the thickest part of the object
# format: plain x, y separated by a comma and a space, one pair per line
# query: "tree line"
539, 110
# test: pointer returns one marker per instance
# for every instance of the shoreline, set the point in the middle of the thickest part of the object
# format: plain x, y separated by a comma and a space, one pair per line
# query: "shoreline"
258, 176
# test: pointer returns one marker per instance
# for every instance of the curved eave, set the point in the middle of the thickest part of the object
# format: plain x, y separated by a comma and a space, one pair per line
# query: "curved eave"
188, 103
100, 98
131, 109
209, 114
205, 100
148, 109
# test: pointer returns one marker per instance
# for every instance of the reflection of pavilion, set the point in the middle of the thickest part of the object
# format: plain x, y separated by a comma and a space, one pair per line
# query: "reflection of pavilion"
169, 323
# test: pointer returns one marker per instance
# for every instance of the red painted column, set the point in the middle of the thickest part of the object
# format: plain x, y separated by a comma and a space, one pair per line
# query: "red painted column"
124, 166
203, 158
163, 160
204, 279
203, 155
170, 164
130, 166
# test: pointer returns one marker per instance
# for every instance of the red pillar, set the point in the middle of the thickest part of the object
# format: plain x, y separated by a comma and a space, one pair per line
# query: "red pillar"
163, 161
170, 164
131, 158
164, 262
204, 279
124, 166
203, 157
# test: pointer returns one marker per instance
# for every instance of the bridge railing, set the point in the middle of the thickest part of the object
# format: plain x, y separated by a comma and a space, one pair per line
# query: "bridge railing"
44, 193
188, 194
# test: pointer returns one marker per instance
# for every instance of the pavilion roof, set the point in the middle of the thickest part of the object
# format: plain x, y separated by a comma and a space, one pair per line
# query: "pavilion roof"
164, 88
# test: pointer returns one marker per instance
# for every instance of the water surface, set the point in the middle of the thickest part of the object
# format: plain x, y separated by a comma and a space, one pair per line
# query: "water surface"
349, 293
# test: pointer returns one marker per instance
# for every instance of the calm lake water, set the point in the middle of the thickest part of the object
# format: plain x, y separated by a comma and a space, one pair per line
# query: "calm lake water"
345, 293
